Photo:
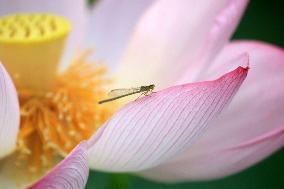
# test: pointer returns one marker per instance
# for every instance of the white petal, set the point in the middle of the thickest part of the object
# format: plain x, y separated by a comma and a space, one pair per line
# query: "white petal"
111, 25
9, 114
175, 36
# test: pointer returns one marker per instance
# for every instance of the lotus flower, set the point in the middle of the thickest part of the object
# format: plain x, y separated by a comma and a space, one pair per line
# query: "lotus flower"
182, 131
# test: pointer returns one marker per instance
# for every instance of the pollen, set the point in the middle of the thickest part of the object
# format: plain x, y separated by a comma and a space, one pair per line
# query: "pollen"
58, 110
53, 123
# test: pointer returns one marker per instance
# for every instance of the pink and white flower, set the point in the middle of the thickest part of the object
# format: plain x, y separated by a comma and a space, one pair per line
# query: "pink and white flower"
175, 134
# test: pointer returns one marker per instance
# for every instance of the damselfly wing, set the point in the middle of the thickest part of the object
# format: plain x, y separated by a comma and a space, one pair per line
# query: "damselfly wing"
124, 91
119, 93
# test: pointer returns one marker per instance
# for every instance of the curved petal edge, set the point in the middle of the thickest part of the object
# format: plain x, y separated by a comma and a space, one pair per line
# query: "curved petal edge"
71, 173
248, 131
233, 160
155, 128
188, 37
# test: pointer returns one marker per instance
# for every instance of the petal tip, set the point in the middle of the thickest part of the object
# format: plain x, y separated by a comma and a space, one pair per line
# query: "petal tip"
246, 61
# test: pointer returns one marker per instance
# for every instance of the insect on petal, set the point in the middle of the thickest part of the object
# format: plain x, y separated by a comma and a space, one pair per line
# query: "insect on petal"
153, 129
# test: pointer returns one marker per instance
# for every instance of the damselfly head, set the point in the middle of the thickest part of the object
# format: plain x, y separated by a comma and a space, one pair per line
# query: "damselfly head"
147, 88
152, 87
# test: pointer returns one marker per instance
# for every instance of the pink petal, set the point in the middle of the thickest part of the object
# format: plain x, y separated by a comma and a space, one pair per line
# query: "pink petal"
150, 130
250, 130
225, 24
9, 114
220, 163
173, 36
71, 173
73, 10
112, 23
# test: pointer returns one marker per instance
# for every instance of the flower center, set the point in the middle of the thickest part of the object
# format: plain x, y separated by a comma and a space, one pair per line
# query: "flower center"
31, 46
57, 110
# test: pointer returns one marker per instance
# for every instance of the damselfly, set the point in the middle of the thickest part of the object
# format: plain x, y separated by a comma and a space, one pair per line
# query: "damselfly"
119, 93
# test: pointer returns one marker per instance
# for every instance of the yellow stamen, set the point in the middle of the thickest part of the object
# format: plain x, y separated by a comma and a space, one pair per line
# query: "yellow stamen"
31, 46
53, 123
57, 110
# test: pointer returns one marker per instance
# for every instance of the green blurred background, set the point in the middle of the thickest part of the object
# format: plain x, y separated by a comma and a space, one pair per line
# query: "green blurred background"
263, 20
